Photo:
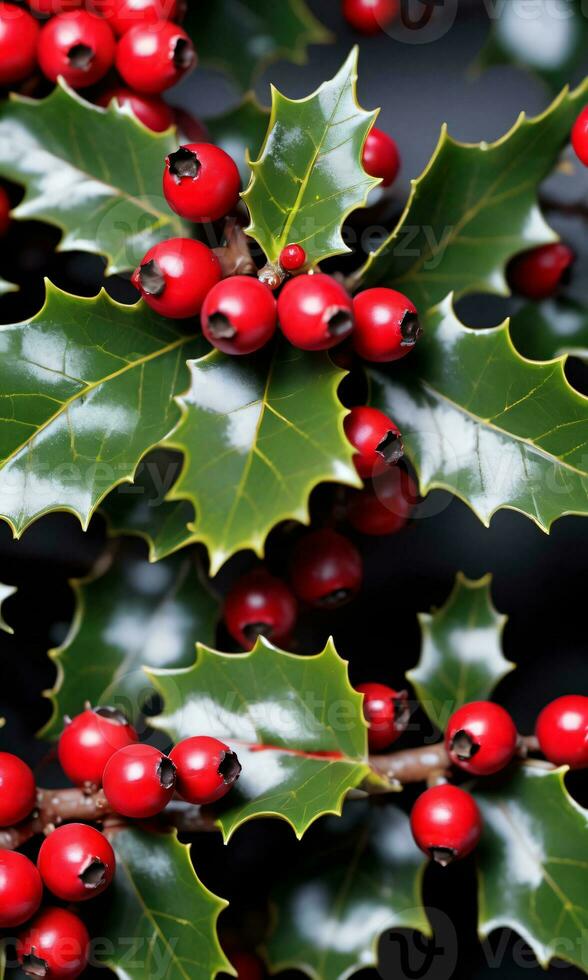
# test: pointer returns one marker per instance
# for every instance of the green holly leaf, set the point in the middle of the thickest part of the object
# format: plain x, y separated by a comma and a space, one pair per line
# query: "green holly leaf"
160, 920
486, 424
367, 881
533, 875
461, 651
135, 614
87, 387
551, 329
472, 209
95, 173
272, 428
240, 132
5, 592
295, 722
309, 175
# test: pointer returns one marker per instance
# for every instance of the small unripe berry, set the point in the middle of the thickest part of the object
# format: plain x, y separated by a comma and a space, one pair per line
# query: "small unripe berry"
446, 823
139, 781
19, 33
201, 182
90, 740
260, 605
18, 793
56, 944
315, 312
370, 16
387, 713
207, 769
481, 738
21, 889
562, 731
327, 569
78, 46
376, 437
152, 57
539, 272
151, 110
239, 315
176, 276
386, 324
122, 15
76, 862
381, 157
580, 136
292, 258
384, 506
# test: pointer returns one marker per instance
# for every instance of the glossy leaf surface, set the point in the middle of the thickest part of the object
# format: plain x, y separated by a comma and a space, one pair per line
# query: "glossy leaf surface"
551, 329
5, 592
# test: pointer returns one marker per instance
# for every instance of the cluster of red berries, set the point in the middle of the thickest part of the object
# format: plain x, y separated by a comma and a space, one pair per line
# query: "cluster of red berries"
370, 16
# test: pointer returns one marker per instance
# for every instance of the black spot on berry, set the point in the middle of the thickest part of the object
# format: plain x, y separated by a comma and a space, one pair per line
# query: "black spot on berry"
93, 875
253, 630
167, 773
34, 966
184, 163
463, 746
81, 56
152, 278
184, 55
391, 448
411, 329
339, 323
337, 597
220, 327
443, 855
229, 768
111, 714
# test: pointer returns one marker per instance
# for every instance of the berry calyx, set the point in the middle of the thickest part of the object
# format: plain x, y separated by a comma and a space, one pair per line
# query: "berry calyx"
387, 713
370, 16
376, 437
5, 207
539, 272
175, 277
56, 945
446, 823
151, 110
386, 324
562, 731
90, 740
18, 793
239, 315
260, 605
385, 505
327, 569
19, 33
580, 136
139, 781
207, 769
122, 15
201, 182
78, 46
76, 862
481, 738
315, 312
152, 57
381, 157
292, 258
21, 889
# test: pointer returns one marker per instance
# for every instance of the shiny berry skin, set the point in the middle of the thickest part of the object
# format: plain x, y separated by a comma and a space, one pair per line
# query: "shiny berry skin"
56, 944
315, 312
201, 182
239, 315
78, 46
562, 730
207, 769
139, 781
21, 889
90, 740
370, 16
176, 276
19, 33
327, 569
386, 324
375, 436
386, 712
446, 823
385, 506
292, 258
481, 738
260, 605
248, 966
49, 8
18, 793
122, 15
5, 206
381, 157
538, 273
580, 136
152, 57
76, 862
152, 111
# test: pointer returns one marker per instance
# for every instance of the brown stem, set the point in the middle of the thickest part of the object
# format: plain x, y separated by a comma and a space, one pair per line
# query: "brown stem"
412, 765
234, 256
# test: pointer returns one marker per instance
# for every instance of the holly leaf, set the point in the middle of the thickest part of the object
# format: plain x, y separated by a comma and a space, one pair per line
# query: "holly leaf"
87, 387
257, 435
309, 175
365, 880
95, 173
489, 426
160, 920
135, 614
533, 875
461, 651
295, 722
5, 592
472, 209
240, 132
551, 329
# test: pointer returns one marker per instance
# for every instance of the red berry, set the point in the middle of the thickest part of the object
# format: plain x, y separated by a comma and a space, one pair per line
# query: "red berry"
19, 33
176, 276
90, 740
18, 793
562, 730
481, 738
446, 823
21, 889
239, 315
386, 324
327, 569
76, 862
201, 182
370, 16
376, 437
153, 57
49, 8
381, 157
248, 966
78, 46
259, 605
207, 769
315, 312
292, 258
56, 944
538, 273
139, 781
5, 207
152, 111
386, 712
580, 136
385, 506
122, 15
